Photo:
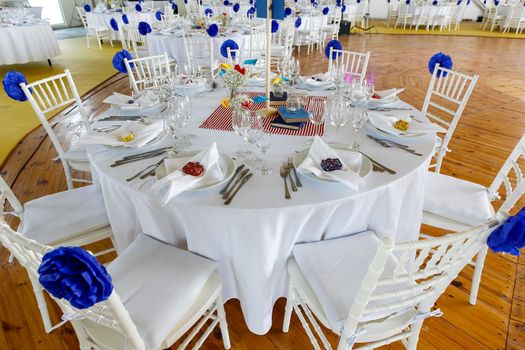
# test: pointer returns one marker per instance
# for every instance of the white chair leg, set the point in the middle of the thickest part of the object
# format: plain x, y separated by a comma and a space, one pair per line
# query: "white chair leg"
99, 41
42, 305
476, 279
223, 324
288, 309
414, 338
69, 177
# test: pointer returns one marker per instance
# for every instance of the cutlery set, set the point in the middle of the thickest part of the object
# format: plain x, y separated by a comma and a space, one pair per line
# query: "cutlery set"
286, 173
238, 180
391, 144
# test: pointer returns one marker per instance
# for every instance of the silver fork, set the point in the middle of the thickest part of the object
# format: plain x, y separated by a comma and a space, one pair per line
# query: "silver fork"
284, 176
287, 169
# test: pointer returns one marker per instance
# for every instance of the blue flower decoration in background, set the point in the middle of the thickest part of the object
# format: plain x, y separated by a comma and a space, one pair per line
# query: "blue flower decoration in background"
435, 2
250, 12
509, 237
358, 1
118, 61
87, 8
343, 9
298, 22
287, 12
73, 274
186, 2
113, 23
326, 10
226, 3
251, 2
11, 82
158, 15
335, 44
212, 30
125, 19
338, 3
496, 2
174, 7
275, 26
138, 8
407, 2
208, 12
459, 2
236, 7
229, 44
144, 28
444, 61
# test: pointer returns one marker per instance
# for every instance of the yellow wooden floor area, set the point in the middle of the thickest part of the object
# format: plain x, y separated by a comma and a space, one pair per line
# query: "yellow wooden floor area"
492, 123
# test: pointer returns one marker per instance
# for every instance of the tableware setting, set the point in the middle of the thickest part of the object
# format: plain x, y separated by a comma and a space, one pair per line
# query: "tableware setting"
129, 103
400, 126
129, 135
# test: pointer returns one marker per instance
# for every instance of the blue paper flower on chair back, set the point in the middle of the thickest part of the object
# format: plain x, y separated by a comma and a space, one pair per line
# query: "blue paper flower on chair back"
125, 19
212, 30
343, 9
326, 10
407, 2
275, 26
509, 237
236, 8
144, 28
73, 274
174, 7
226, 3
87, 8
298, 22
435, 2
444, 61
208, 12
333, 44
113, 23
250, 12
11, 83
158, 15
287, 12
118, 61
138, 8
228, 44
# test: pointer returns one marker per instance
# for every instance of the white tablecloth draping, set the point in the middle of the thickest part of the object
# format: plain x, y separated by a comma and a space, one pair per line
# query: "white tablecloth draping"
102, 19
27, 43
252, 238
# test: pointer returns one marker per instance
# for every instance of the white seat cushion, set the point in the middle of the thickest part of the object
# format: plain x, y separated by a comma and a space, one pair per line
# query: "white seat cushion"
335, 270
157, 284
63, 215
456, 199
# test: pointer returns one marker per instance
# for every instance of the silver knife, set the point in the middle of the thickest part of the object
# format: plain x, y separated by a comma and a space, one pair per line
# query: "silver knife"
239, 178
244, 181
237, 171
136, 159
388, 170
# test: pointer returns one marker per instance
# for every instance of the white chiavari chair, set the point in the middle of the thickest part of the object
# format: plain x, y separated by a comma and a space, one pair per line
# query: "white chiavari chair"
355, 63
515, 19
495, 15
458, 12
50, 95
98, 33
138, 43
169, 19
405, 15
71, 218
424, 16
444, 103
158, 314
282, 42
393, 10
331, 29
146, 72
312, 34
453, 204
199, 52
384, 302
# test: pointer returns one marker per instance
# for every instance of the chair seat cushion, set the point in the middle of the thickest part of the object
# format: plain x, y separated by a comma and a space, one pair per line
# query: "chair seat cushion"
61, 216
456, 199
157, 283
335, 270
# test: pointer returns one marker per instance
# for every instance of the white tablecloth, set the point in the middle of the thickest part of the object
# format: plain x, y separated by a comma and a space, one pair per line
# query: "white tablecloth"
102, 20
27, 43
253, 237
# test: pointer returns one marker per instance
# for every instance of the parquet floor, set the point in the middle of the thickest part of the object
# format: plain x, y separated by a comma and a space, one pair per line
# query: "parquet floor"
493, 121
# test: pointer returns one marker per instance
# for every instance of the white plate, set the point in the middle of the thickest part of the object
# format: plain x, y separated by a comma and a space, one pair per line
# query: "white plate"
372, 130
366, 164
162, 134
374, 102
225, 162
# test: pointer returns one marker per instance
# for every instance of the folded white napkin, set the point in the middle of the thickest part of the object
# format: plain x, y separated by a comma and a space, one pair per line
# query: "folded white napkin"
388, 94
386, 124
179, 182
348, 175
142, 135
126, 102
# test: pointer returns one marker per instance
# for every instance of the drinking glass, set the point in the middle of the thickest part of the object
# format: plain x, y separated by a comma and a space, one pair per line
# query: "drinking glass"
359, 118
264, 144
368, 88
240, 120
293, 103
253, 132
316, 112
295, 71
173, 123
338, 116
338, 76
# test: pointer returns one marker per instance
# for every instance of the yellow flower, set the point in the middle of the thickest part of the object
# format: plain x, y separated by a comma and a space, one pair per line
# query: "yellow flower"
225, 103
226, 66
127, 138
277, 81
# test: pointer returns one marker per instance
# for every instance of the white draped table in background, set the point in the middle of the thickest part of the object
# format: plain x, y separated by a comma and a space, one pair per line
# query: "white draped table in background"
27, 43
253, 237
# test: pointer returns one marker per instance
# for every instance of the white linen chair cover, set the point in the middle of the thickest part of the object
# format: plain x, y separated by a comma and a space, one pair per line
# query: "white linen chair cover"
444, 103
386, 302
509, 180
355, 63
59, 220
148, 71
49, 95
99, 33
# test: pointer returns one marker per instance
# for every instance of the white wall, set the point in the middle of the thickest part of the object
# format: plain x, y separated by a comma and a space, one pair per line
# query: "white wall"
378, 9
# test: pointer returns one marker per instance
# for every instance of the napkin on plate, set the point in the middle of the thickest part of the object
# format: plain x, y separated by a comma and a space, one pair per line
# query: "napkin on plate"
348, 175
388, 94
123, 101
320, 81
386, 124
142, 135
179, 182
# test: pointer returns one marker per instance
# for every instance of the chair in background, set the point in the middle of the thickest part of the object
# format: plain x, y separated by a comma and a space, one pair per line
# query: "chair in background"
516, 19
355, 63
495, 16
98, 33
137, 42
393, 10
311, 35
425, 16
199, 53
331, 29
453, 204
50, 95
282, 42
146, 72
71, 218
405, 15
371, 291
444, 103
159, 293
458, 12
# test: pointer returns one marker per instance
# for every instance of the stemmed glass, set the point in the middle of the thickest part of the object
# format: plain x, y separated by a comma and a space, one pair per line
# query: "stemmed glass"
338, 116
368, 89
316, 112
240, 124
338, 76
173, 123
253, 132
264, 144
295, 71
358, 120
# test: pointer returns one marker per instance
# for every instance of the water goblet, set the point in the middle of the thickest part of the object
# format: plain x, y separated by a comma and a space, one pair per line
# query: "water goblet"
316, 112
240, 120
338, 116
358, 120
264, 144
253, 133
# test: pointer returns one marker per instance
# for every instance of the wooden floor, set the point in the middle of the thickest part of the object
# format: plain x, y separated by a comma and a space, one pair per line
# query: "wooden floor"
493, 122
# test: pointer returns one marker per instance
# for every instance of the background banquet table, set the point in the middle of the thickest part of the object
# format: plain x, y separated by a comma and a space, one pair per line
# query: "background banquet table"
27, 43
253, 237
102, 19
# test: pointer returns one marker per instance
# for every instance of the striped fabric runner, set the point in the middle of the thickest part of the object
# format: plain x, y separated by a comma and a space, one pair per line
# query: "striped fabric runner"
221, 119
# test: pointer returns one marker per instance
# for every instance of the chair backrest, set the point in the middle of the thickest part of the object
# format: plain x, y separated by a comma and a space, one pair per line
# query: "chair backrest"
82, 15
447, 96
239, 56
7, 196
355, 63
147, 71
199, 52
169, 19
422, 272
110, 314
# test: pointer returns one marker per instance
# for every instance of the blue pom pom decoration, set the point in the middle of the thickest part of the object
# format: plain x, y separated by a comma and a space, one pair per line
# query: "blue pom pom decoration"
287, 12
158, 15
326, 10
298, 22
335, 44
236, 8
11, 82
113, 23
212, 30
275, 26
138, 8
226, 3
144, 28
250, 12
125, 19
510, 236
228, 44
343, 9
87, 8
444, 61
118, 61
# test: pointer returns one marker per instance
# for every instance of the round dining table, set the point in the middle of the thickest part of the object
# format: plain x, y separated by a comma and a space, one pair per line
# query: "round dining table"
27, 43
252, 238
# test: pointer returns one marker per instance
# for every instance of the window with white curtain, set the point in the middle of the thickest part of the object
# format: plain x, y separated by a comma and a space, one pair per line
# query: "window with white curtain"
51, 10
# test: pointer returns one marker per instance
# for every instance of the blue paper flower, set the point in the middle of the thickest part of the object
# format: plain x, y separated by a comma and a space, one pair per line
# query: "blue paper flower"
275, 26
358, 1
186, 2
212, 30
138, 8
459, 2
407, 2
236, 7
338, 3
226, 2
228, 44
250, 12
435, 2
208, 12
118, 61
87, 8
158, 15
326, 10
144, 28
287, 12
11, 82
312, 1
298, 22
174, 8
444, 61
113, 23
343, 9
125, 19
509, 237
73, 274
496, 2
335, 44
251, 2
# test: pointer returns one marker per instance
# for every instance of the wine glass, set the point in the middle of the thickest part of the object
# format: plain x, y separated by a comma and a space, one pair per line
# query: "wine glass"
240, 120
338, 116
173, 123
368, 88
316, 112
295, 71
253, 131
264, 144
338, 76
358, 120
